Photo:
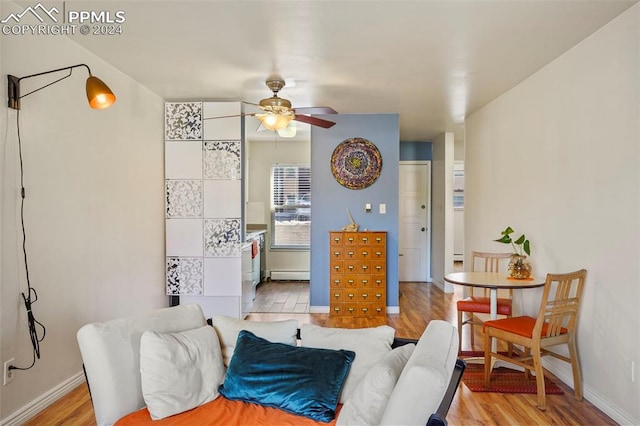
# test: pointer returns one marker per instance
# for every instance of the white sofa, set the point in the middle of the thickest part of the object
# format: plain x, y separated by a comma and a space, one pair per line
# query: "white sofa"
111, 356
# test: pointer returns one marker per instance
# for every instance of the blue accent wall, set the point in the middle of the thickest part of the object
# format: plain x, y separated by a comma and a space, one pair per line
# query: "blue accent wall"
330, 199
416, 151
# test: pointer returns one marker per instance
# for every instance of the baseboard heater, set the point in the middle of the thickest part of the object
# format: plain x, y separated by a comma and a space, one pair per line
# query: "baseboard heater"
290, 275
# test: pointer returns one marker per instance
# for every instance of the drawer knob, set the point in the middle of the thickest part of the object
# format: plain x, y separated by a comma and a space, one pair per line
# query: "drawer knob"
350, 281
365, 267
378, 253
350, 295
378, 239
379, 309
378, 295
365, 253
336, 309
365, 295
365, 309
351, 309
378, 282
336, 239
337, 295
365, 282
365, 239
350, 254
350, 267
378, 267
336, 281
337, 267
350, 239
336, 253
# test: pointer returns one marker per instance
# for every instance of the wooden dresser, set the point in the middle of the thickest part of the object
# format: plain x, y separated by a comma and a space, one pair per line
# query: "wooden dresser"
358, 283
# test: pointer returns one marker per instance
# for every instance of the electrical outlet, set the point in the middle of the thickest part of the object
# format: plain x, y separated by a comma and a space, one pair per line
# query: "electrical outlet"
9, 375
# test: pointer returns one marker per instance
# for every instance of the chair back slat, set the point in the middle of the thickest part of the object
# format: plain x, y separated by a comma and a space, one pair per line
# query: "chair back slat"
559, 313
488, 262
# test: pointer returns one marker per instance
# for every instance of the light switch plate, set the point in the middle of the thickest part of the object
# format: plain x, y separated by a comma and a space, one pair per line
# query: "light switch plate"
383, 208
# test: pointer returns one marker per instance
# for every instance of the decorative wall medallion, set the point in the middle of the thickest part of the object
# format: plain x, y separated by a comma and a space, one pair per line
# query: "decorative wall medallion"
184, 198
183, 120
356, 163
185, 276
221, 237
222, 160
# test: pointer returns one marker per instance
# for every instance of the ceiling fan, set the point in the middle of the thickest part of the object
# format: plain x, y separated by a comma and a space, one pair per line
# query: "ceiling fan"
276, 112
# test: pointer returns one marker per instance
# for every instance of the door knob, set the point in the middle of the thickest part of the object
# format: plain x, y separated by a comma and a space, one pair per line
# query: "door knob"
423, 229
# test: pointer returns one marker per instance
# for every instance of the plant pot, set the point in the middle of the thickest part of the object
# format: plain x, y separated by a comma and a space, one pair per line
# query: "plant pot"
519, 267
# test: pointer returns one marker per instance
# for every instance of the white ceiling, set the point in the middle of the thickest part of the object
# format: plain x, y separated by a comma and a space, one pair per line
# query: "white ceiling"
433, 62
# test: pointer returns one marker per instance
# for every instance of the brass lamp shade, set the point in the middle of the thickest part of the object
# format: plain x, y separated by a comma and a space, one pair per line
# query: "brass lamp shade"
98, 93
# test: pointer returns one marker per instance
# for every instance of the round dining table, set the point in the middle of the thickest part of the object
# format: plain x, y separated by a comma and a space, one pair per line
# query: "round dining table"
494, 281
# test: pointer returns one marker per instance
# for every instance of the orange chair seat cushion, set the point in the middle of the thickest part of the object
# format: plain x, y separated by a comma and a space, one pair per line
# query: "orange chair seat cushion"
522, 326
482, 305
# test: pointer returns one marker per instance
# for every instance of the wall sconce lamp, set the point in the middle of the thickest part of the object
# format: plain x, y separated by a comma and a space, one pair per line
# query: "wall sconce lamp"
98, 94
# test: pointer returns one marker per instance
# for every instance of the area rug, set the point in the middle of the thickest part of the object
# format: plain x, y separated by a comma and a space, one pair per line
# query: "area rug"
503, 380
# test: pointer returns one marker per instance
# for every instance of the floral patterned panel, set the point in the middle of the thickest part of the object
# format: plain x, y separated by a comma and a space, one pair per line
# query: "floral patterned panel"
184, 198
185, 276
221, 237
183, 120
222, 160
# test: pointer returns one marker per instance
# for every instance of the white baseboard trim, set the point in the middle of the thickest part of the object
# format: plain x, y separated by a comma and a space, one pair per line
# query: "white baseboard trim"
290, 275
37, 405
563, 372
393, 309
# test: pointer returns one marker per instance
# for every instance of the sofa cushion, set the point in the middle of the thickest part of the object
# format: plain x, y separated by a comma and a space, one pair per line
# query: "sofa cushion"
179, 371
425, 378
369, 398
111, 356
274, 331
369, 344
299, 380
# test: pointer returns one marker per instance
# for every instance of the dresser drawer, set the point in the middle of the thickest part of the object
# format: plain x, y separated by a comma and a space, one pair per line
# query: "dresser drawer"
336, 239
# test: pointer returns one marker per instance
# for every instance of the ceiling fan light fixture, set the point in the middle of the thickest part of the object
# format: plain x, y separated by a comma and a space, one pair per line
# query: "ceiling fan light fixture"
289, 131
274, 121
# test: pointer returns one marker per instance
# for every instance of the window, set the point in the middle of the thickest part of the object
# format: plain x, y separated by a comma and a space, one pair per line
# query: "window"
290, 206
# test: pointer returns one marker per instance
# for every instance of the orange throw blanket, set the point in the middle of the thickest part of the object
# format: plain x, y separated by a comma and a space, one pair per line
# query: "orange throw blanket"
222, 411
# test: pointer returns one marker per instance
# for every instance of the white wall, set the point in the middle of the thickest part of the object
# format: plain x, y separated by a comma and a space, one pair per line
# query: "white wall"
262, 154
557, 158
442, 210
93, 211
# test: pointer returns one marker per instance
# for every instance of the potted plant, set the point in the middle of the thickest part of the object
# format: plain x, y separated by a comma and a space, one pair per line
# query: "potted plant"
519, 266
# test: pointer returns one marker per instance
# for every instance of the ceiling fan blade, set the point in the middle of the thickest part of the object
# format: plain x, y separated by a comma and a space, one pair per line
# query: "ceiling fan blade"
229, 116
315, 110
314, 121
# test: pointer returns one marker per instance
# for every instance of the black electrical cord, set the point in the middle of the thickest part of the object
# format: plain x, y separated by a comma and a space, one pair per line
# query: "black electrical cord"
31, 292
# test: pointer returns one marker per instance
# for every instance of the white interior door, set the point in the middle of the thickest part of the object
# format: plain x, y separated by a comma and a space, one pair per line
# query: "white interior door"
415, 214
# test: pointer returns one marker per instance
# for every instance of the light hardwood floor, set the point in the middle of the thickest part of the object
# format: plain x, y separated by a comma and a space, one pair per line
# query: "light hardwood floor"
419, 304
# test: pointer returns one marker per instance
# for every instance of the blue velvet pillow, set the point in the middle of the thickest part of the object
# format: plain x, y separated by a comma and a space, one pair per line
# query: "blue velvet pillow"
304, 381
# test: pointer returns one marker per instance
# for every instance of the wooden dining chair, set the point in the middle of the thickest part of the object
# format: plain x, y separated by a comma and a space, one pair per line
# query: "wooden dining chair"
479, 301
556, 324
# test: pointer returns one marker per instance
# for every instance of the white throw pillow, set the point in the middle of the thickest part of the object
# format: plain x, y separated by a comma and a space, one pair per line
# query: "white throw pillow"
369, 399
179, 371
369, 344
425, 378
274, 331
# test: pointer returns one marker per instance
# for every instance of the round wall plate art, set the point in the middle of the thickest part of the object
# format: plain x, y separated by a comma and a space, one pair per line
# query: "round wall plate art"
356, 163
